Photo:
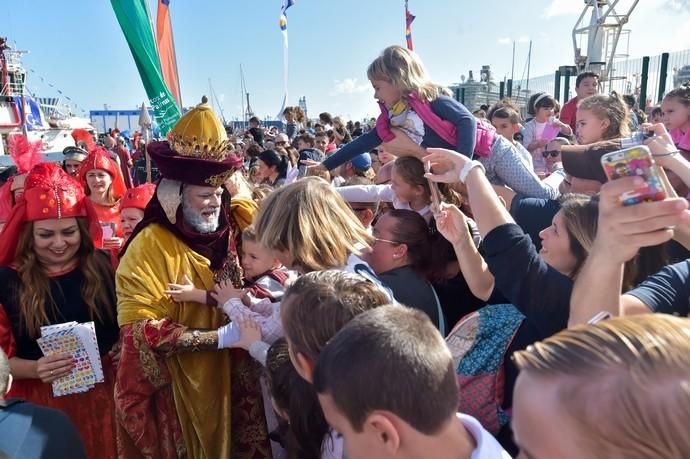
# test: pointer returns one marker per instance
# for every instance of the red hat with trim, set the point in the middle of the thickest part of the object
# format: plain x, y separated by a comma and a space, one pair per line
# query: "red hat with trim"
99, 158
49, 193
138, 197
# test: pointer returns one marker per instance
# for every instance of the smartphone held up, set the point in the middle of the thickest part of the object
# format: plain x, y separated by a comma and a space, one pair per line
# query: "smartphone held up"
636, 161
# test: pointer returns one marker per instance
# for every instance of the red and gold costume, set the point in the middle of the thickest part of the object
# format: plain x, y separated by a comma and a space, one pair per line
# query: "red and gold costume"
108, 215
173, 403
50, 193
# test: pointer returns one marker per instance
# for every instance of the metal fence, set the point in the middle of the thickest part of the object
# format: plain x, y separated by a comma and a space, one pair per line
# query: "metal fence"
627, 78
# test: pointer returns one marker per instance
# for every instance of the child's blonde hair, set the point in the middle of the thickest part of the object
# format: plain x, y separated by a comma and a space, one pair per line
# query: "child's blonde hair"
612, 108
313, 223
404, 70
249, 234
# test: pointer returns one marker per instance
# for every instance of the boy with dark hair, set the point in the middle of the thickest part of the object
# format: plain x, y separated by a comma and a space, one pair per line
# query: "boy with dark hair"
326, 120
256, 131
586, 84
30, 430
304, 141
371, 379
321, 141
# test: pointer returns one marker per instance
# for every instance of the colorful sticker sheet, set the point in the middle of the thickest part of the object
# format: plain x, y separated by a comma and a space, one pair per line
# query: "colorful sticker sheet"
78, 340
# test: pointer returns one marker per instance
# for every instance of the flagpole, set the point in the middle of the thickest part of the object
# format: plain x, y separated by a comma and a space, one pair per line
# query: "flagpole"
408, 26
177, 72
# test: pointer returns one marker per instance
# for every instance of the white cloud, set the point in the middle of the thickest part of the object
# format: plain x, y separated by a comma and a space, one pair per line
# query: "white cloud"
563, 8
523, 39
349, 86
679, 5
504, 41
680, 39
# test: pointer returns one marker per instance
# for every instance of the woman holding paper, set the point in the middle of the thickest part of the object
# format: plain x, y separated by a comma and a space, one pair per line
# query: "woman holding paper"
52, 274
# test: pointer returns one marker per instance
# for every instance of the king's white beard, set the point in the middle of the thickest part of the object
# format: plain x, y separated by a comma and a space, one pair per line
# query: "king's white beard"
197, 221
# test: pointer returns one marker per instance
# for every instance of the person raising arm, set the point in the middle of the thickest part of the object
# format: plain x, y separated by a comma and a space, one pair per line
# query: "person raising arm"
621, 232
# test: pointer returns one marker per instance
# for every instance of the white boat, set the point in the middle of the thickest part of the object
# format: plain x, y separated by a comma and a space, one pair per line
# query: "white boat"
20, 112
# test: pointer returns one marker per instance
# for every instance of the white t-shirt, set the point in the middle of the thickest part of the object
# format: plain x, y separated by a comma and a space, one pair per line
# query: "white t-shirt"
487, 446
410, 123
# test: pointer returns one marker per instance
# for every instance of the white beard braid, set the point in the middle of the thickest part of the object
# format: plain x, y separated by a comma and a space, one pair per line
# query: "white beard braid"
193, 217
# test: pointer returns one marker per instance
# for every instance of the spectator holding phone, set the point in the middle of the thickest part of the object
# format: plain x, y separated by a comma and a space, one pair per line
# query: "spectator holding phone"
621, 232
602, 120
537, 283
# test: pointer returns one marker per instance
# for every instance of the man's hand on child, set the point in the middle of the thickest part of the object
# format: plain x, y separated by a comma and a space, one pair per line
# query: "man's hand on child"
183, 292
224, 291
249, 333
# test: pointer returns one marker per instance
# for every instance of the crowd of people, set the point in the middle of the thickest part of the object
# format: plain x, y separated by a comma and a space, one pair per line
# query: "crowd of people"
433, 283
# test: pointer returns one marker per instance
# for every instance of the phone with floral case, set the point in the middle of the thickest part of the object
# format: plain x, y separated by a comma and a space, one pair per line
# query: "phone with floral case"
635, 161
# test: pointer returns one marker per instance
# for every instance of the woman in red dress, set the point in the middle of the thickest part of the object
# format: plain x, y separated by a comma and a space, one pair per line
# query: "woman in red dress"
104, 186
51, 273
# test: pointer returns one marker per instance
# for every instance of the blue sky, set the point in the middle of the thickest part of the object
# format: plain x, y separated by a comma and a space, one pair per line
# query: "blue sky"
78, 46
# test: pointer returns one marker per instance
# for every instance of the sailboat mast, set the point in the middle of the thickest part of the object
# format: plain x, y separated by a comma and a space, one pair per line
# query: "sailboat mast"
512, 68
529, 64
210, 93
215, 97
244, 113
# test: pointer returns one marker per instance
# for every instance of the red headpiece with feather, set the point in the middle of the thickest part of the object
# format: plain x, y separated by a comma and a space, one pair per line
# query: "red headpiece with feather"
25, 153
85, 138
50, 193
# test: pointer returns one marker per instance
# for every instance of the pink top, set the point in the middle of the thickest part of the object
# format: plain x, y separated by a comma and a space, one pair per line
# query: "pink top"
445, 129
680, 138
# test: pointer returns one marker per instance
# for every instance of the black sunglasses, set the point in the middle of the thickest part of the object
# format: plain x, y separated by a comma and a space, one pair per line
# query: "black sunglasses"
552, 153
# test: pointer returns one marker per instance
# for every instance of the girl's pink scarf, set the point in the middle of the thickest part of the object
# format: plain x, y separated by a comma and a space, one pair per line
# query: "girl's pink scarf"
445, 129
682, 140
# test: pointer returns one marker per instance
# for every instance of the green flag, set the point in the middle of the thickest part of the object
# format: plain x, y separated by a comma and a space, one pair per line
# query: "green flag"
135, 23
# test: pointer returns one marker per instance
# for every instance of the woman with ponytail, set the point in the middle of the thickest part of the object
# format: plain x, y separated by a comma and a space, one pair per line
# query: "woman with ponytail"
273, 167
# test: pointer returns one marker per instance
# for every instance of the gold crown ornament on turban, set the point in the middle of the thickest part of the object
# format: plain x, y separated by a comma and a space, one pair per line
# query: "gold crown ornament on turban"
196, 151
200, 134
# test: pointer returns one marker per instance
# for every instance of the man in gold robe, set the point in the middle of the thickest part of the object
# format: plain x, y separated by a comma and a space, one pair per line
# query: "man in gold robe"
177, 392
